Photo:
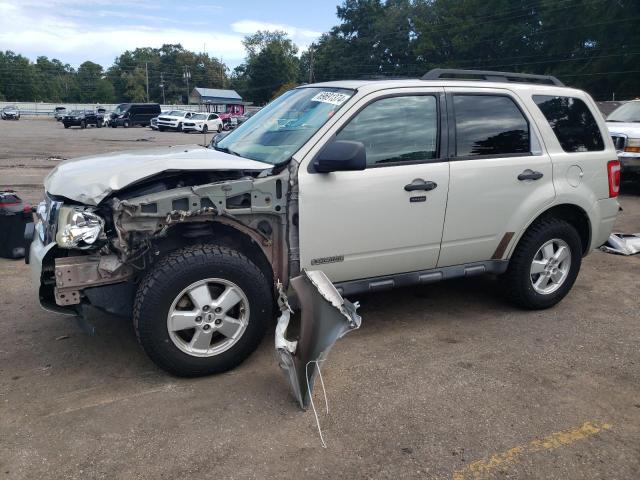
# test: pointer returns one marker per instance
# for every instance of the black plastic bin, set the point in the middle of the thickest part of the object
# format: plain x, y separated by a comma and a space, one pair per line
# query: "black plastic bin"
14, 215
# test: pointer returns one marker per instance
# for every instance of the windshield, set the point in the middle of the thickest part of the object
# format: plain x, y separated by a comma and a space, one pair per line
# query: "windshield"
121, 108
199, 116
176, 113
629, 112
277, 131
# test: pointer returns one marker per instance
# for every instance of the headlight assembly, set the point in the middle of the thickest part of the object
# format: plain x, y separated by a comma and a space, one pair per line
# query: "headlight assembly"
78, 227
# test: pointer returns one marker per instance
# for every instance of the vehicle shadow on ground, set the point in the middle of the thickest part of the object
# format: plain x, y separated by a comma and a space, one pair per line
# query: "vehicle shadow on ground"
114, 341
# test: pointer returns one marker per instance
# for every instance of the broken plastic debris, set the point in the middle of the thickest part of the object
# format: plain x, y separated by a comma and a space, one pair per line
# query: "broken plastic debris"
325, 317
622, 244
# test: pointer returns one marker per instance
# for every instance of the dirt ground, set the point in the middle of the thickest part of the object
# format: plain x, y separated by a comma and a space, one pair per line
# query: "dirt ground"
441, 381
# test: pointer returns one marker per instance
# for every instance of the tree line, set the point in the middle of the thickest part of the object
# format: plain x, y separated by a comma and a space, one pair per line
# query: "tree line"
589, 44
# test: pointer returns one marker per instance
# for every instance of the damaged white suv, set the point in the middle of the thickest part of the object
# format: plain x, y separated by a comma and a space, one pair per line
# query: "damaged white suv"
378, 184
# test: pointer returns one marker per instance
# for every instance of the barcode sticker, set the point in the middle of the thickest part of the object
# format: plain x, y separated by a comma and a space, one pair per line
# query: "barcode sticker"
334, 98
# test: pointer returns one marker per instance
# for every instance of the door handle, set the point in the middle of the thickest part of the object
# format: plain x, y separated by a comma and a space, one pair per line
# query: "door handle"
420, 184
530, 175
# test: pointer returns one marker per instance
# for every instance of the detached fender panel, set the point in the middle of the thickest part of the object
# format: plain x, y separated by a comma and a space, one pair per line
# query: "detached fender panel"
325, 317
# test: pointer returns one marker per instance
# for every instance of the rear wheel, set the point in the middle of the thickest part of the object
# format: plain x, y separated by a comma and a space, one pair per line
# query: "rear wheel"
202, 310
126, 124
219, 128
544, 265
66, 126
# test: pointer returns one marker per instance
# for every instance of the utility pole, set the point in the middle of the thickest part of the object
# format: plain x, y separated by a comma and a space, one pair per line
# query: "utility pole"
146, 70
311, 63
187, 75
164, 102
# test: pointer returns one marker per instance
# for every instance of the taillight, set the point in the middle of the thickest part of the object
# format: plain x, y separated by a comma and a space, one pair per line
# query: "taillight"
613, 171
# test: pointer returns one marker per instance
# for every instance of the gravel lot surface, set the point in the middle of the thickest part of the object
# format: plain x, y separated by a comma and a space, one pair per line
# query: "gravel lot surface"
441, 381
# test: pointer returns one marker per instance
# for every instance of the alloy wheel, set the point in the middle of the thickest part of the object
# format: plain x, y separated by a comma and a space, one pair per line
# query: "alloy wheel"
208, 317
550, 266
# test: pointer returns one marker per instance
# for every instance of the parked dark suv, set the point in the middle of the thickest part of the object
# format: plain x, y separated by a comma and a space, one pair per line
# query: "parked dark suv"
132, 114
82, 118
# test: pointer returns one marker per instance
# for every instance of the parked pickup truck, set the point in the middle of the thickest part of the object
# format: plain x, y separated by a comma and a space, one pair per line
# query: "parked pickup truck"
377, 184
624, 126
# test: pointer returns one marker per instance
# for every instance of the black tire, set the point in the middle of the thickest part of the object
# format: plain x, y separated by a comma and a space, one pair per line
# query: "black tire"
66, 126
219, 128
98, 124
126, 124
83, 124
161, 129
179, 127
169, 277
205, 129
517, 280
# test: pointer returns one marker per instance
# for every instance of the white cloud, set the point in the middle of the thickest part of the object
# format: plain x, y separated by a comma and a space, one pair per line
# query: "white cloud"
58, 30
252, 26
72, 32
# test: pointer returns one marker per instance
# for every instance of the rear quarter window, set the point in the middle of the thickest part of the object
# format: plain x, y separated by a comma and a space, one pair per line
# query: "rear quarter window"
572, 122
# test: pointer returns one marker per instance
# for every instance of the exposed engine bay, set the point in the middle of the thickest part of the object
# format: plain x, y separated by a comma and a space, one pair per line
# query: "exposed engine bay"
122, 236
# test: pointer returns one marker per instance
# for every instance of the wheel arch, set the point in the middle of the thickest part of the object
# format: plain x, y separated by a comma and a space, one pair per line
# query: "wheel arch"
572, 214
218, 233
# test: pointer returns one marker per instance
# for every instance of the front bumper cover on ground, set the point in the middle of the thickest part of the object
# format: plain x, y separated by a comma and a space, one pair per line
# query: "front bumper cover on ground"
325, 317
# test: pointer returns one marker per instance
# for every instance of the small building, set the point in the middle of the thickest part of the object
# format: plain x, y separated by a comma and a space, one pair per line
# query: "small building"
218, 101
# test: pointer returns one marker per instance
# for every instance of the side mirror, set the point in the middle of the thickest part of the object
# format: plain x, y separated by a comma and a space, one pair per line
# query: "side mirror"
341, 155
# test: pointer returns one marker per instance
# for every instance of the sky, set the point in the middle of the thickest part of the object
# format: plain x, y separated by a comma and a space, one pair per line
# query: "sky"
99, 30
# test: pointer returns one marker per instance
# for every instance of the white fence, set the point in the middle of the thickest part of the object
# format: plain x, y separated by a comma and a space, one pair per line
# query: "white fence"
47, 109
44, 109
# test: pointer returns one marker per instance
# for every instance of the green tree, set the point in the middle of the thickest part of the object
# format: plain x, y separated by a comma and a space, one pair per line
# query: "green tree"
271, 62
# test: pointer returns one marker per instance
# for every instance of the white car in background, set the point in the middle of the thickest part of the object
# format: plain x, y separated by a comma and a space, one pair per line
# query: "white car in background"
173, 120
203, 123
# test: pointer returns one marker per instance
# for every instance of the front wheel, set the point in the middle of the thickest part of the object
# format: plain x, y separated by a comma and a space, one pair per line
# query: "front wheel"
126, 124
202, 310
205, 129
83, 124
219, 128
179, 127
545, 264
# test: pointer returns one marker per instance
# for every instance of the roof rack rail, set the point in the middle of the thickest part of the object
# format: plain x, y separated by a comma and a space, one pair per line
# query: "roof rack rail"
490, 76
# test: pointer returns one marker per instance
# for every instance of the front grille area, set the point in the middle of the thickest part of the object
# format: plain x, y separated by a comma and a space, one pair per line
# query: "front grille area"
619, 142
189, 124
165, 119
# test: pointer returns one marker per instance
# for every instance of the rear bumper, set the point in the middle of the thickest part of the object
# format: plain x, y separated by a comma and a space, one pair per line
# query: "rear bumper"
603, 218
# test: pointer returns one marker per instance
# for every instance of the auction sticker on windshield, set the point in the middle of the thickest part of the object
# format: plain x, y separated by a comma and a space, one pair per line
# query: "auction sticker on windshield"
334, 98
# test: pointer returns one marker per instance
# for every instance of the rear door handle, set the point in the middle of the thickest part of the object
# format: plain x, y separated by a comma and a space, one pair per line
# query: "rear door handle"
530, 175
420, 184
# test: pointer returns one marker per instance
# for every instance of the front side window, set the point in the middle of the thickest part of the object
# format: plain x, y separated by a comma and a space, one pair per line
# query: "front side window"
572, 122
396, 129
489, 125
278, 130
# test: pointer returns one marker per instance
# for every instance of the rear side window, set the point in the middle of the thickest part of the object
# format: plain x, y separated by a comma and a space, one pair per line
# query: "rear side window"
572, 122
489, 125
396, 129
